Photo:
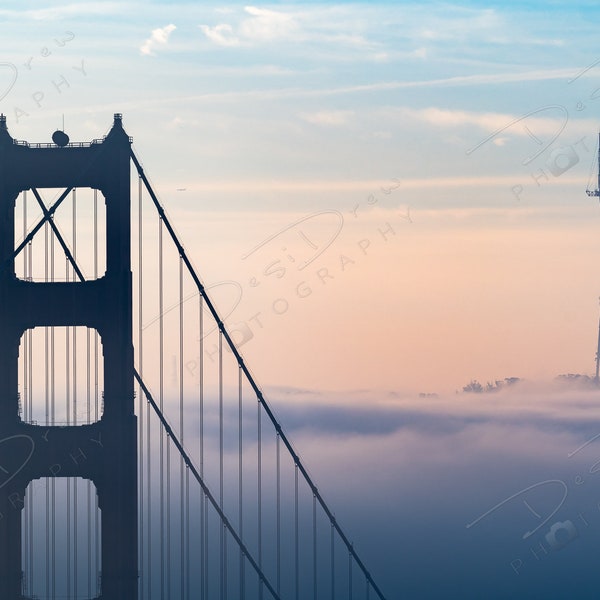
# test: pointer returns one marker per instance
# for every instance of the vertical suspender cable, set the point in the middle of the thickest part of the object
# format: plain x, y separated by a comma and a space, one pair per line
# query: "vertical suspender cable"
350, 576
168, 511
88, 385
23, 395
278, 509
259, 491
241, 478
75, 579
314, 547
206, 537
147, 582
296, 536
168, 517
149, 496
24, 404
332, 562
224, 529
140, 358
68, 417
187, 533
221, 529
88, 377
96, 394
150, 570
203, 502
29, 334
89, 420
52, 421
31, 416
182, 507
47, 411
168, 508
161, 397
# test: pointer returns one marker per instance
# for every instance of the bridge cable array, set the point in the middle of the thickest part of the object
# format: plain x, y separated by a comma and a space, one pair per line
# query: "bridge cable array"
298, 466
296, 568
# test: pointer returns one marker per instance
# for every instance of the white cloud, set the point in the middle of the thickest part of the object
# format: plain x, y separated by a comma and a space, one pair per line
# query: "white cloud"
328, 117
261, 26
222, 34
459, 24
419, 53
347, 39
381, 57
159, 37
223, 10
546, 122
266, 25
67, 11
451, 118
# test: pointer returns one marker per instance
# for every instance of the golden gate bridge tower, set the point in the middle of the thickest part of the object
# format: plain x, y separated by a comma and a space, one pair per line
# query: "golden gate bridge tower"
103, 452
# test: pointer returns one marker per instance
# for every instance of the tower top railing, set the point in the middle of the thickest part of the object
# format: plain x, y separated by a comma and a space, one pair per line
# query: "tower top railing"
94, 142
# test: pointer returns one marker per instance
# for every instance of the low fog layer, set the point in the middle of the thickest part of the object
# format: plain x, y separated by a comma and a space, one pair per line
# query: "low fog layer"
471, 495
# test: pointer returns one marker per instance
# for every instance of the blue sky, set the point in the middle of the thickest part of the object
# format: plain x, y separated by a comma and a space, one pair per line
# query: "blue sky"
402, 81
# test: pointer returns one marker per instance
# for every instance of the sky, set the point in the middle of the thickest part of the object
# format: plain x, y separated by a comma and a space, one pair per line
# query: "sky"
384, 199
447, 147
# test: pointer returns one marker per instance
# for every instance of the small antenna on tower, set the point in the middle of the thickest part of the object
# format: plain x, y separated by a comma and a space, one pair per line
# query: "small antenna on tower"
59, 137
596, 192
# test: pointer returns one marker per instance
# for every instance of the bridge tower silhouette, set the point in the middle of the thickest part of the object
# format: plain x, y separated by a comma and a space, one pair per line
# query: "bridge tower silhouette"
104, 452
200, 492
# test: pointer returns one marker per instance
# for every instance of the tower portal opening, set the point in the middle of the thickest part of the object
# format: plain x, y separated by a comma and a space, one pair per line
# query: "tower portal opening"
81, 220
61, 539
61, 376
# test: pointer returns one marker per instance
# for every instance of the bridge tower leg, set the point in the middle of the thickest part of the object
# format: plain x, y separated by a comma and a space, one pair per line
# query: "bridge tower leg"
106, 451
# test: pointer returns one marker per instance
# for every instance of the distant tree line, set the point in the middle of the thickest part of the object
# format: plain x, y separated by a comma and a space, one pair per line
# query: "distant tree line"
474, 387
577, 379
570, 379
